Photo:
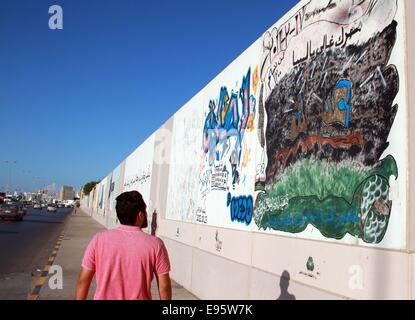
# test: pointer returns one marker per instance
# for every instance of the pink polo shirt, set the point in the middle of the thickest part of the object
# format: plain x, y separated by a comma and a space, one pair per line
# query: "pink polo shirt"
125, 260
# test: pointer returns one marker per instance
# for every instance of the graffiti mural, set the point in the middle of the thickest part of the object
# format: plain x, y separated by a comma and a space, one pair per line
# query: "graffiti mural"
224, 130
185, 161
241, 208
137, 169
139, 179
113, 190
328, 106
226, 183
116, 190
101, 195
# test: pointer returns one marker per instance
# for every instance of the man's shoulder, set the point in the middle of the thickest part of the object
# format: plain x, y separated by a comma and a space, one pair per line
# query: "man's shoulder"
103, 234
152, 240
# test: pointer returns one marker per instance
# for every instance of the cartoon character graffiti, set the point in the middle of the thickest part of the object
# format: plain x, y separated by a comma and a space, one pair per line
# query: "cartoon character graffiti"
225, 126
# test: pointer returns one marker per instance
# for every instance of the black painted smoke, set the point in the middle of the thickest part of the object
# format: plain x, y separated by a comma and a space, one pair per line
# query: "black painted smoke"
372, 112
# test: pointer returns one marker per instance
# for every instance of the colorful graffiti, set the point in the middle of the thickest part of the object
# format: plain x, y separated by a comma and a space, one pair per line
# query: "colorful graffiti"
227, 148
330, 109
225, 126
241, 208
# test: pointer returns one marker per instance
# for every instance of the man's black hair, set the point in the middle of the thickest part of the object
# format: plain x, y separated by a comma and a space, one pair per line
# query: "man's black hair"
129, 204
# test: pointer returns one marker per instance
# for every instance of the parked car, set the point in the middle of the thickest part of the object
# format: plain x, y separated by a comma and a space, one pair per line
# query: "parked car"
11, 210
51, 208
37, 206
27, 204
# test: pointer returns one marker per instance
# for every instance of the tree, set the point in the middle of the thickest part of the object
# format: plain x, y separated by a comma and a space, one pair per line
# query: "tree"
89, 186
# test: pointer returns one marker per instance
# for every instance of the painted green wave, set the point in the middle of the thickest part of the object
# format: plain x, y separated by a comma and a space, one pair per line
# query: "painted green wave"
337, 200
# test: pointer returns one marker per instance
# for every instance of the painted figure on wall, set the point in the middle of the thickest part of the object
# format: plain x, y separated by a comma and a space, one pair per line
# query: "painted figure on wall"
101, 197
329, 106
225, 126
227, 141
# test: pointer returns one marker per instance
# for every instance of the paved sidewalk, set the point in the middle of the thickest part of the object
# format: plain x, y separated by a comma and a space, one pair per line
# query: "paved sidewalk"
79, 230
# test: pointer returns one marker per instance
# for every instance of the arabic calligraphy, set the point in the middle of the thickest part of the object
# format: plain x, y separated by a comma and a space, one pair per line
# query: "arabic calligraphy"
342, 42
320, 215
277, 41
140, 178
316, 12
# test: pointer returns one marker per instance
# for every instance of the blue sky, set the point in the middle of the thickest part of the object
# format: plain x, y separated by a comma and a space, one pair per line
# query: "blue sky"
75, 102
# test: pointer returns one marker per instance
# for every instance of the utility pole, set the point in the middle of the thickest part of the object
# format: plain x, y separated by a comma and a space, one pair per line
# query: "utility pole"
9, 186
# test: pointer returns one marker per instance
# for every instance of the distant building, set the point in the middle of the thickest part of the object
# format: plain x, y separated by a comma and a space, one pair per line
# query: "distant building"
66, 193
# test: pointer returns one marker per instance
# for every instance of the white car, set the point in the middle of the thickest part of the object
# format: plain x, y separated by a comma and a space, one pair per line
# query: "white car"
37, 206
51, 208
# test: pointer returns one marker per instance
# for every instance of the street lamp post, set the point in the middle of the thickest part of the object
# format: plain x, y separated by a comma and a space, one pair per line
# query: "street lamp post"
10, 163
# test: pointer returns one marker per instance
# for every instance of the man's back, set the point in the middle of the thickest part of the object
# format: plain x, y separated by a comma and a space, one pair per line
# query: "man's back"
125, 260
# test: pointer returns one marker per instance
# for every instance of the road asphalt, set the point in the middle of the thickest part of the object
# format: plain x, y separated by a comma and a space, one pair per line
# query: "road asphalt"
25, 248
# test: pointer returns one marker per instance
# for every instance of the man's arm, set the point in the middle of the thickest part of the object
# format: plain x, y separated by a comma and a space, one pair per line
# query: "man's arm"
164, 286
84, 281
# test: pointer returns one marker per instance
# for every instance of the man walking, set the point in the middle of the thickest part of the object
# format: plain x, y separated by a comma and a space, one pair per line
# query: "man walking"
125, 259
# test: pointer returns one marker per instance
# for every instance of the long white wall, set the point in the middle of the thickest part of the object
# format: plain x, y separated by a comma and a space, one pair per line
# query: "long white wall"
291, 173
